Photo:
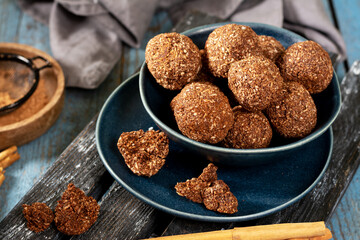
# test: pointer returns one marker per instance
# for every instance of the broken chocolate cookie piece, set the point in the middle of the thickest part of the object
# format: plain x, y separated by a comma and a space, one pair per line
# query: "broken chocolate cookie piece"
75, 213
192, 189
144, 152
218, 198
38, 215
215, 194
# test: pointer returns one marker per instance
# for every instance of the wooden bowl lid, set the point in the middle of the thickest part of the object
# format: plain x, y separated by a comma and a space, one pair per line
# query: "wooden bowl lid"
30, 127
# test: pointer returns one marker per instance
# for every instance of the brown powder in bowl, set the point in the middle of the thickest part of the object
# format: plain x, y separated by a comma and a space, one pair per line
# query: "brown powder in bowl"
5, 99
34, 104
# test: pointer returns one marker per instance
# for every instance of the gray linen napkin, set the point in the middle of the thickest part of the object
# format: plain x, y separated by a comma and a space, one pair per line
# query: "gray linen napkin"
86, 36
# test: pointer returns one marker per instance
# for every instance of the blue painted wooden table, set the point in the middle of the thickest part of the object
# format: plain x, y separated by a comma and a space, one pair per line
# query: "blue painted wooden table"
38, 156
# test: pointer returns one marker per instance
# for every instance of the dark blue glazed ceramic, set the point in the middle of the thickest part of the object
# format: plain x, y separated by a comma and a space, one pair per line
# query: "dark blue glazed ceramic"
260, 190
156, 101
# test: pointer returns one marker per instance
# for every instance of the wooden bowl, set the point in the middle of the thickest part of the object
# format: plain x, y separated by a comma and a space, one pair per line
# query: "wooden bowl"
33, 126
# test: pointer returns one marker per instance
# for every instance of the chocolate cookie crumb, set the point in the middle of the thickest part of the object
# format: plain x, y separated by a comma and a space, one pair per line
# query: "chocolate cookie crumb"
192, 189
173, 60
307, 63
207, 189
202, 112
75, 213
256, 82
250, 130
296, 115
271, 48
218, 198
228, 44
144, 152
38, 215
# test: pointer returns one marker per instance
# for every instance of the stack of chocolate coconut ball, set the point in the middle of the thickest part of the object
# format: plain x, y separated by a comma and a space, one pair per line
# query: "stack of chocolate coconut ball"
270, 87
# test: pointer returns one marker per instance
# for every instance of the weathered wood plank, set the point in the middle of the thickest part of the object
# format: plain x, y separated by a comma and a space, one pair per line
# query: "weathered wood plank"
79, 108
122, 216
82, 156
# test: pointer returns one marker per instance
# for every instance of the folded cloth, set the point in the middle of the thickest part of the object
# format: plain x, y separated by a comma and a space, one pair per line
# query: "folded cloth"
86, 36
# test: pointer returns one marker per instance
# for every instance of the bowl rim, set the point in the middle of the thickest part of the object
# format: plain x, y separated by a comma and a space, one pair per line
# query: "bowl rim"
209, 147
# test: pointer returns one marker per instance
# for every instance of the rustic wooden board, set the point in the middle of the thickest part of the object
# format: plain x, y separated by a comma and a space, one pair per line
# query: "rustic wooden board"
40, 154
83, 157
122, 216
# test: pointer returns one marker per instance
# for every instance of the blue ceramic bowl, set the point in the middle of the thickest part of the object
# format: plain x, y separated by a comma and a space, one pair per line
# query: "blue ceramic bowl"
156, 101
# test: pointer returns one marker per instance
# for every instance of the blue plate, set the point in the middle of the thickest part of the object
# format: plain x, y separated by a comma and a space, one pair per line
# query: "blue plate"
260, 190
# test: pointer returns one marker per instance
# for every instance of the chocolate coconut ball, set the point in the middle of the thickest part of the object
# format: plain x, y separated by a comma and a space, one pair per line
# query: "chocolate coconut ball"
307, 63
202, 112
204, 74
173, 60
228, 44
295, 115
271, 48
250, 130
256, 82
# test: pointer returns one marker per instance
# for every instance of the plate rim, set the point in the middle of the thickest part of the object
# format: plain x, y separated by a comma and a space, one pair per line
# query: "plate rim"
193, 216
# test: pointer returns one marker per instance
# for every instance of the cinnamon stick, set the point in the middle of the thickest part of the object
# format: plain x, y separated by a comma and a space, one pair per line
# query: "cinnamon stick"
280, 231
7, 152
214, 235
289, 231
6, 162
328, 235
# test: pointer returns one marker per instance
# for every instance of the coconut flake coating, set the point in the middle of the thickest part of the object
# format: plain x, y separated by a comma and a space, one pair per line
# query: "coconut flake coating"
307, 63
193, 188
256, 82
144, 152
38, 215
173, 60
204, 74
218, 197
228, 44
250, 130
75, 212
271, 48
295, 116
202, 112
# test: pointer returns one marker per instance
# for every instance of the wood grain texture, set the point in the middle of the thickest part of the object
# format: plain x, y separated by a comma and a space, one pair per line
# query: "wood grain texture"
122, 216
83, 157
